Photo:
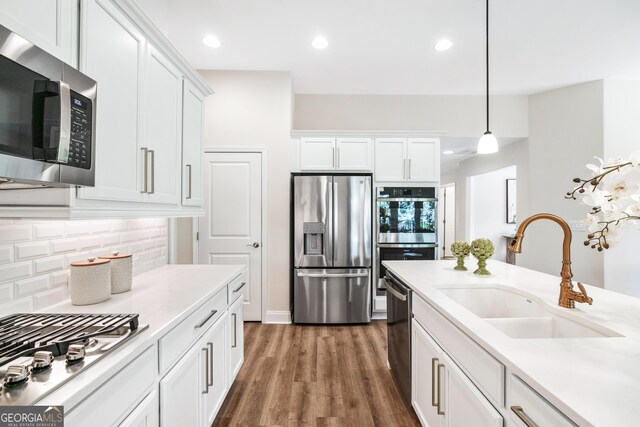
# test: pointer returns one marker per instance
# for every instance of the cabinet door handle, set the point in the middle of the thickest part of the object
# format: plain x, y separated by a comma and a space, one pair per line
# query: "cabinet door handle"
434, 364
235, 330
153, 171
338, 161
523, 416
189, 181
333, 157
201, 324
440, 411
206, 370
239, 287
409, 169
145, 156
210, 365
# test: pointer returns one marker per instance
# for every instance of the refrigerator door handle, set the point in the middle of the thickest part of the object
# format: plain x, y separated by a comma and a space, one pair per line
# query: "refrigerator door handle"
330, 275
334, 214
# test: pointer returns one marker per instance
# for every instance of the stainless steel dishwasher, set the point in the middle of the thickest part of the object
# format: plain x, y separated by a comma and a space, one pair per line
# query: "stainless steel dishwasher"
399, 298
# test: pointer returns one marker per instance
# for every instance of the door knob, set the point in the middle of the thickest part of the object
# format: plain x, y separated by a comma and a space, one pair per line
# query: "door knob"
254, 245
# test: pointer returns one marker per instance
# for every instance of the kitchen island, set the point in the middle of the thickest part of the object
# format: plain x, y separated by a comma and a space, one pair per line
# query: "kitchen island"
584, 364
159, 375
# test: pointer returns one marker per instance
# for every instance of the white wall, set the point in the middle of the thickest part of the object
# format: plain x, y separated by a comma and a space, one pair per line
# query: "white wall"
457, 115
515, 154
254, 109
621, 137
565, 132
487, 208
35, 255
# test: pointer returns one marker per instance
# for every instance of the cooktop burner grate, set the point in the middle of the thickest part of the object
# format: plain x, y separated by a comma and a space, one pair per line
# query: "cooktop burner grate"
24, 334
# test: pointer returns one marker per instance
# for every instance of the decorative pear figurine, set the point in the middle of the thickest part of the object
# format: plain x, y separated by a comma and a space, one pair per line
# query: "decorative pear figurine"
482, 249
460, 249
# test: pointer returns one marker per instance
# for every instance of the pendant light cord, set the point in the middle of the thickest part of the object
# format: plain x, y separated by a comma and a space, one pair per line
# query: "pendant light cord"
487, 51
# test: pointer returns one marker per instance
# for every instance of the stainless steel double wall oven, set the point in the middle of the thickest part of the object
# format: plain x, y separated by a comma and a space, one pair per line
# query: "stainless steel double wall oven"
405, 226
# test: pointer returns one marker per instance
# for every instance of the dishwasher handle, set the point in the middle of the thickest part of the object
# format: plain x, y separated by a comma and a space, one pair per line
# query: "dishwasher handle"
330, 275
402, 296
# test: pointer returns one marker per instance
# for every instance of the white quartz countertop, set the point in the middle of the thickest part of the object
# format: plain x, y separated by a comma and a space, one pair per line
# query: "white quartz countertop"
163, 298
594, 381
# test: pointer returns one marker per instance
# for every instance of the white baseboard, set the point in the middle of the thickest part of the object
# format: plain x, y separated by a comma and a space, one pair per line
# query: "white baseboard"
278, 317
379, 315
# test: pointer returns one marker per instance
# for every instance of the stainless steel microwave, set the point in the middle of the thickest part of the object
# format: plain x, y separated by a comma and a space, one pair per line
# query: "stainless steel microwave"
47, 117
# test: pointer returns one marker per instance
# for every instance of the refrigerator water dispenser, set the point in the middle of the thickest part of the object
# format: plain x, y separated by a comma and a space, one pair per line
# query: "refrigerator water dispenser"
313, 237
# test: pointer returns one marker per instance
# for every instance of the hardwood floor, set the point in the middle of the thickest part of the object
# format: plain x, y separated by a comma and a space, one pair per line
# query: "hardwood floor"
315, 375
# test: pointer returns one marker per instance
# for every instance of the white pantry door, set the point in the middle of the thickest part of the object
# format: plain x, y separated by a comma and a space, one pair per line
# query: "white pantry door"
231, 231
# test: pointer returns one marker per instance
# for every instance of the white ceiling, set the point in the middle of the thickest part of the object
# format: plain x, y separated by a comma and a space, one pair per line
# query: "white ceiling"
386, 46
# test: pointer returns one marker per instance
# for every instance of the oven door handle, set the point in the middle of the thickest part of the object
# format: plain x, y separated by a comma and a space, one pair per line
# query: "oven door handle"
407, 245
406, 199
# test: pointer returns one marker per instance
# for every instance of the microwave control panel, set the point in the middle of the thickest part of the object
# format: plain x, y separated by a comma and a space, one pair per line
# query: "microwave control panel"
80, 145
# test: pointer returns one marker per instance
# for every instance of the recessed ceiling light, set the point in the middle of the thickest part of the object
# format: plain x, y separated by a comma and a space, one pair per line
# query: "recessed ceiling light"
447, 152
211, 41
320, 43
443, 44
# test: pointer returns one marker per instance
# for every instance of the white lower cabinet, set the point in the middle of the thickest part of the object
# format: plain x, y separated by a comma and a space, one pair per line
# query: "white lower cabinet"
528, 408
214, 369
180, 391
115, 400
236, 338
146, 413
194, 388
441, 394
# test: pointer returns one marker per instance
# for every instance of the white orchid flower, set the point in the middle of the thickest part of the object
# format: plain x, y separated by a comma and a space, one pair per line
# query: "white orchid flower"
592, 223
594, 198
621, 184
595, 168
633, 210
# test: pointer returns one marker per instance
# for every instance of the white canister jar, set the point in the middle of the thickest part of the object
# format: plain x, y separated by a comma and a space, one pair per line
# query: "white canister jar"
121, 271
90, 281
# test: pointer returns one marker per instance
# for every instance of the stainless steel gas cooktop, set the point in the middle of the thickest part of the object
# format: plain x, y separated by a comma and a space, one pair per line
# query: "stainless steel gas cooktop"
40, 352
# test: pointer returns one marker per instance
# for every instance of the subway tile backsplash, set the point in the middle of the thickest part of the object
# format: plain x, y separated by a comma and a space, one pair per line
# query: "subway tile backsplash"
35, 255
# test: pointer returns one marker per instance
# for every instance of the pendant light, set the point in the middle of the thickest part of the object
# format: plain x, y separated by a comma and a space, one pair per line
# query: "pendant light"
488, 143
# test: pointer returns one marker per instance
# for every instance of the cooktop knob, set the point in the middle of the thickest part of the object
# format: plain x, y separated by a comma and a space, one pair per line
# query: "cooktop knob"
42, 360
75, 353
16, 374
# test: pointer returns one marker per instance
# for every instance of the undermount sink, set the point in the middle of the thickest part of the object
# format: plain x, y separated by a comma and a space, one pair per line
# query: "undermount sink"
495, 302
521, 316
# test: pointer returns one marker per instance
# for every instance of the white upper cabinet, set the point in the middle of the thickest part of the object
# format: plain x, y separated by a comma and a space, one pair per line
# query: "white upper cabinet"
317, 154
112, 51
390, 159
407, 159
192, 123
50, 24
163, 129
423, 155
328, 154
353, 154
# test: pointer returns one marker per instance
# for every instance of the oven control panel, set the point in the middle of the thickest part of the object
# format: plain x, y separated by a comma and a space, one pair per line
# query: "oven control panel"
80, 145
407, 192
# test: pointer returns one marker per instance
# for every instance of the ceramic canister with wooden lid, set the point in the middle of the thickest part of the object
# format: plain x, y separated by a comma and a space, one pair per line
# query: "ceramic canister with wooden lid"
121, 271
90, 281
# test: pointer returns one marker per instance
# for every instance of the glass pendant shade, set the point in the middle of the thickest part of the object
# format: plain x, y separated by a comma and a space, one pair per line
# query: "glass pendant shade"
487, 144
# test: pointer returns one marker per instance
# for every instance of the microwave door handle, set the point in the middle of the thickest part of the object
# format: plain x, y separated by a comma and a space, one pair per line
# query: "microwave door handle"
65, 123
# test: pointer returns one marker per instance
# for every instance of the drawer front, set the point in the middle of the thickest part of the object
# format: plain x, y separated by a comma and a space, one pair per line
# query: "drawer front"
177, 341
525, 405
486, 372
115, 398
237, 287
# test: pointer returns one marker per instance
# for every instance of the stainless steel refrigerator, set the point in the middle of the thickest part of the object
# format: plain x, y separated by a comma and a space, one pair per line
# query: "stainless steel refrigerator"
331, 248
